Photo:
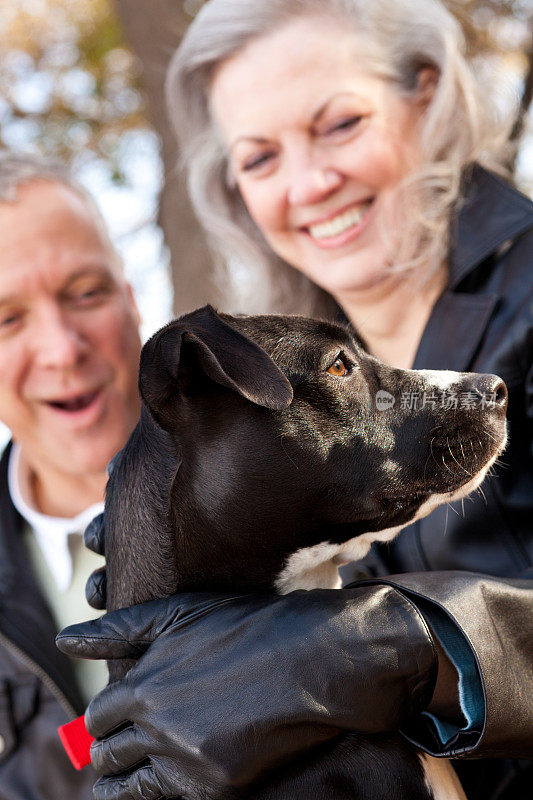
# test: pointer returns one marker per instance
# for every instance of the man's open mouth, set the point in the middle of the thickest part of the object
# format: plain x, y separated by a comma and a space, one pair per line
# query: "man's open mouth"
77, 403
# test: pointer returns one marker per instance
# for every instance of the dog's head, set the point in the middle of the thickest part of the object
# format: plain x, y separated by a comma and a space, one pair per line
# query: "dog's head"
288, 434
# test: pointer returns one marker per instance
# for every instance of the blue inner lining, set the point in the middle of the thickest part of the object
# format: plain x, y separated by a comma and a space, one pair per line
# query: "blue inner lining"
460, 653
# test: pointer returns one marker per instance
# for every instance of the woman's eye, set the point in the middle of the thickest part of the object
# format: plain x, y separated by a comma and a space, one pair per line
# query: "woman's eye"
339, 368
343, 126
9, 320
257, 163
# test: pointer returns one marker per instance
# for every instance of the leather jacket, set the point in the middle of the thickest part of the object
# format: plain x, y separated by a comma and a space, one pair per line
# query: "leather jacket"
462, 559
38, 691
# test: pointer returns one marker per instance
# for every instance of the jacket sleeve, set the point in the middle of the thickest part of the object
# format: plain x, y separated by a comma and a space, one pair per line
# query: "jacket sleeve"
495, 617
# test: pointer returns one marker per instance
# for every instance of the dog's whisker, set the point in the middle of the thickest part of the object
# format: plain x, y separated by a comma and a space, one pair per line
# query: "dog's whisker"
458, 464
445, 464
453, 509
500, 463
450, 451
487, 433
483, 495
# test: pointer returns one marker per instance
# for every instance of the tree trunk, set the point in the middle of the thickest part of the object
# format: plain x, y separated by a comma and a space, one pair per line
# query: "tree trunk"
154, 29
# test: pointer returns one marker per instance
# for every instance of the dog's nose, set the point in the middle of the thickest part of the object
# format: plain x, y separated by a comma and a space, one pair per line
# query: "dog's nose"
491, 389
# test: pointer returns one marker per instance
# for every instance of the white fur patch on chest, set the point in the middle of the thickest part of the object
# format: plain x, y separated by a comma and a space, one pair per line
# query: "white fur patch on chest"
317, 567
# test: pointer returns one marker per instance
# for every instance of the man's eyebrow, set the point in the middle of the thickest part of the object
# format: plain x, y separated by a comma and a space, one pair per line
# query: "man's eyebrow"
97, 270
315, 118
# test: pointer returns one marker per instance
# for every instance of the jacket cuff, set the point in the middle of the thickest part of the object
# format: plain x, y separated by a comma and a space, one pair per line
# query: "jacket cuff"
424, 729
428, 731
494, 616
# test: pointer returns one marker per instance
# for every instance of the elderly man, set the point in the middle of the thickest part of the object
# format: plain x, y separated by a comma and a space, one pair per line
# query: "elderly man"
69, 349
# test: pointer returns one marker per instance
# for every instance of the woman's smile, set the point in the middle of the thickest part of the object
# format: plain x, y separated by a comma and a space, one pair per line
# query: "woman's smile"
341, 227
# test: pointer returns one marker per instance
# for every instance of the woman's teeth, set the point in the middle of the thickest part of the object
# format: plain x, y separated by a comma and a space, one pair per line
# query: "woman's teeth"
339, 224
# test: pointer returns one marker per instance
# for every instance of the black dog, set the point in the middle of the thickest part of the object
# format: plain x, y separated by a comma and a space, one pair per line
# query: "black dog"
272, 449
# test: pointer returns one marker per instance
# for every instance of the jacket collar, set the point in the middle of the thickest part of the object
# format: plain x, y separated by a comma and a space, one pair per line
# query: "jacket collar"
24, 614
491, 214
490, 217
454, 330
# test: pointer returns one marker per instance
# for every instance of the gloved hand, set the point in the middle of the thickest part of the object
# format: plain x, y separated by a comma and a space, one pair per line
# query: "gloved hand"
94, 539
96, 586
226, 688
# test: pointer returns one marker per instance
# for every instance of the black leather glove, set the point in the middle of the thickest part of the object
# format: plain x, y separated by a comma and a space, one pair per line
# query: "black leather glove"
94, 539
96, 586
226, 688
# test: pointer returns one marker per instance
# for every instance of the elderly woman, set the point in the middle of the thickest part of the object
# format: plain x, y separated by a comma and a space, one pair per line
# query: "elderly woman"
345, 150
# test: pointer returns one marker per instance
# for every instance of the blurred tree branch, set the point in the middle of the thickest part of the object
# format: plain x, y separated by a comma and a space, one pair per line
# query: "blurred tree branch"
68, 85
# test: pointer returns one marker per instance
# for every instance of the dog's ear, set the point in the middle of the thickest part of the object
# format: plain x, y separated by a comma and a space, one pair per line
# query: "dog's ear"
225, 355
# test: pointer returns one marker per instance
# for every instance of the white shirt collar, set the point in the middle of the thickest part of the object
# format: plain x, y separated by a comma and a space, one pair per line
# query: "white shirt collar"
51, 533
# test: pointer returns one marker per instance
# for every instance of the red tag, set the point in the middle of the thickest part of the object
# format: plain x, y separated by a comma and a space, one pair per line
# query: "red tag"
77, 742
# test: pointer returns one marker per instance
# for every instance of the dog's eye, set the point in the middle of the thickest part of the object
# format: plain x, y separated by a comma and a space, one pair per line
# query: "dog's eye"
338, 368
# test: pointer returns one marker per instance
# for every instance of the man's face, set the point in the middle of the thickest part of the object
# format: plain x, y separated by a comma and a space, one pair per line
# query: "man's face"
69, 341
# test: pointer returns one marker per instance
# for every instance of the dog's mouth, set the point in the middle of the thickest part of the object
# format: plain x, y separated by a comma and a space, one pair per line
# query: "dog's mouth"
461, 461
455, 476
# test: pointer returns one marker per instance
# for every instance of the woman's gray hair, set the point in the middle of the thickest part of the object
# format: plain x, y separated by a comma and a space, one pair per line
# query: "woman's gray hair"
399, 38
